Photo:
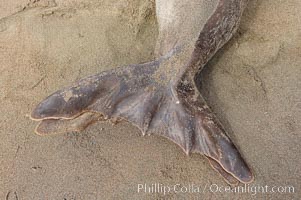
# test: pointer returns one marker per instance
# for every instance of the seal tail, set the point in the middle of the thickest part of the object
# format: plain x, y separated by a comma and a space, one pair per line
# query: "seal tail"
133, 94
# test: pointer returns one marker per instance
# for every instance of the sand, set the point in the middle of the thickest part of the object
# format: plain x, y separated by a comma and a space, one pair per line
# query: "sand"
253, 85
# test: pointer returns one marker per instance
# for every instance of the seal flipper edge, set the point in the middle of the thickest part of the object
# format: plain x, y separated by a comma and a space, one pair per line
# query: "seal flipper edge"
77, 124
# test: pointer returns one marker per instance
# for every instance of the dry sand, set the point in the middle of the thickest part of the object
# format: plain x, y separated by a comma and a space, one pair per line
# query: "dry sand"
253, 85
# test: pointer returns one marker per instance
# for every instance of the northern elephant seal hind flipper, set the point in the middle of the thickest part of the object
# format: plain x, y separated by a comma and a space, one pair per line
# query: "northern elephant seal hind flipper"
160, 97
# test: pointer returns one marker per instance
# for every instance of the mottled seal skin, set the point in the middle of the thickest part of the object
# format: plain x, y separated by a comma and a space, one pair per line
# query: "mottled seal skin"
161, 97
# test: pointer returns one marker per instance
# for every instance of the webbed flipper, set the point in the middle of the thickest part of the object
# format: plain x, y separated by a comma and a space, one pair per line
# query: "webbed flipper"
160, 98
134, 95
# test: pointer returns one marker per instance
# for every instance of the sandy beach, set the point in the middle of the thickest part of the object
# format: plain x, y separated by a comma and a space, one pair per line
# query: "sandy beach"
253, 85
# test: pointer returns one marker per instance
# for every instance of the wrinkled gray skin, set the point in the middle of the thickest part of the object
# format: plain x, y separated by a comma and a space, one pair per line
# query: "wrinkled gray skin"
160, 97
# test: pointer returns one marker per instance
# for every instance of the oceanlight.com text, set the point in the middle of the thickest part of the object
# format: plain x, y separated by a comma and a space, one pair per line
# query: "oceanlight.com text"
212, 188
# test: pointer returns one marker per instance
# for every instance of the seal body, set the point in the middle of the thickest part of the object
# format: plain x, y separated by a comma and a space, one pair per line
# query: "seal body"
161, 97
